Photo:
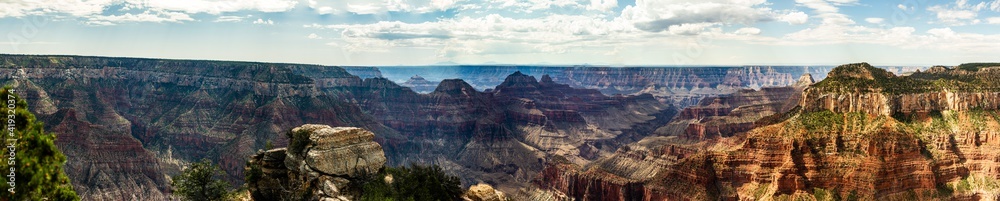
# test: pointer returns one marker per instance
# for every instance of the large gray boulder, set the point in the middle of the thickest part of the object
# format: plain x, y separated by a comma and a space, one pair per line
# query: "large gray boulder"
340, 151
319, 163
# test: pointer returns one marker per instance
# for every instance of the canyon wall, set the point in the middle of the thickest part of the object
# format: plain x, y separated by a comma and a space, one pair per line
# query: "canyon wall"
941, 150
127, 124
680, 86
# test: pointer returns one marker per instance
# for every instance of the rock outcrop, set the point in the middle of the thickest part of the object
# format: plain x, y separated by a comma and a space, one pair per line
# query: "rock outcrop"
483, 192
321, 163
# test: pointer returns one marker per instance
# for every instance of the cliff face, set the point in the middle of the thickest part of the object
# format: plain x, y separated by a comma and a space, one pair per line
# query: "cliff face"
364, 72
850, 90
680, 86
728, 115
127, 124
503, 135
850, 151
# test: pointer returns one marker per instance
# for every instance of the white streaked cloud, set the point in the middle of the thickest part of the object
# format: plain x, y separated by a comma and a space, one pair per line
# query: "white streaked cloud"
263, 21
875, 20
963, 13
214, 6
148, 16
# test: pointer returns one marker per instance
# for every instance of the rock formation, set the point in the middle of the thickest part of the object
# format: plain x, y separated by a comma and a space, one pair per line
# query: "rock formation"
128, 124
321, 163
419, 84
679, 86
503, 136
483, 192
816, 151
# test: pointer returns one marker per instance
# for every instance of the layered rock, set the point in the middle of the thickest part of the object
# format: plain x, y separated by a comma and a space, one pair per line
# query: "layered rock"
680, 86
321, 163
816, 153
856, 89
129, 123
502, 136
728, 115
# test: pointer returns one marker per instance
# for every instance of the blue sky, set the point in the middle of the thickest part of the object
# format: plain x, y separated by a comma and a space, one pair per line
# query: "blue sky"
599, 32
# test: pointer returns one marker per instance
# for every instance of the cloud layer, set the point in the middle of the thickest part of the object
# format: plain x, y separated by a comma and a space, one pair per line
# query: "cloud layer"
476, 29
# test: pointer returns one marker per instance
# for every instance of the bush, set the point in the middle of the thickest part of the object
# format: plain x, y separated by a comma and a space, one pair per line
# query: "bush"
201, 181
822, 120
38, 162
418, 183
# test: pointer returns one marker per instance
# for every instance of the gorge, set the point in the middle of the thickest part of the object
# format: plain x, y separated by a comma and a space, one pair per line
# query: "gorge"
535, 133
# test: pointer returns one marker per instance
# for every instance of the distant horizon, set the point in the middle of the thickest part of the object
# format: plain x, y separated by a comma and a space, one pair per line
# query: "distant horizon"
512, 65
537, 32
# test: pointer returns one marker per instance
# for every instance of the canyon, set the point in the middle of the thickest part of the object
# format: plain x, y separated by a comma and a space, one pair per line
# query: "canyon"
533, 133
860, 134
679, 86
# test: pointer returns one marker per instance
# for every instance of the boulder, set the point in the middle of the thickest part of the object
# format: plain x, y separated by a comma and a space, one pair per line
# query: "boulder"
320, 164
484, 192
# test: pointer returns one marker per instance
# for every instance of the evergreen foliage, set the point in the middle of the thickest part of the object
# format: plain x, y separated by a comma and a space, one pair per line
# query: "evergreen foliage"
37, 162
414, 183
201, 181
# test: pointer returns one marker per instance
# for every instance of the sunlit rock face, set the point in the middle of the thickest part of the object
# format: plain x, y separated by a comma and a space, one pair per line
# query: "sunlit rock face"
868, 148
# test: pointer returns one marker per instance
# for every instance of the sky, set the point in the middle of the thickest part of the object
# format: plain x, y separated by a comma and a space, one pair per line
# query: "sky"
531, 32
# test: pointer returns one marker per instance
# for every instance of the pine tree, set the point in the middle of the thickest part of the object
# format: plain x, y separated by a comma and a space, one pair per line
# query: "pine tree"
37, 163
201, 181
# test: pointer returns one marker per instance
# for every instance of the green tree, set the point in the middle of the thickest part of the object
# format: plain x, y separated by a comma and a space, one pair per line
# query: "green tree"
201, 181
37, 162
417, 183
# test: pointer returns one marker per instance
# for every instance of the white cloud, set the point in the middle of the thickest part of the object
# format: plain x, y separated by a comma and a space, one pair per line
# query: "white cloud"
148, 16
875, 20
941, 32
794, 18
953, 16
993, 20
215, 6
377, 7
748, 31
688, 28
18, 8
231, 18
263, 21
902, 7
91, 11
603, 5
962, 13
314, 36
654, 15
